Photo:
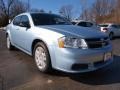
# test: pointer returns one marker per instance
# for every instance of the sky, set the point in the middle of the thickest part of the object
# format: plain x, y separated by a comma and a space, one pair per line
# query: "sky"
55, 5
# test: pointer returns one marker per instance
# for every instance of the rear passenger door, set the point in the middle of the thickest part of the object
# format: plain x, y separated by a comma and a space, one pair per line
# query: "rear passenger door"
116, 30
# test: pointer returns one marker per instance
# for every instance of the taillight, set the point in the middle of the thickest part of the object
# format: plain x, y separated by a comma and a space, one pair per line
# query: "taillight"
104, 29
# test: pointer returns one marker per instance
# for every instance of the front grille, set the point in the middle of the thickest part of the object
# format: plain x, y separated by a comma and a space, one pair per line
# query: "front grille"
79, 66
97, 42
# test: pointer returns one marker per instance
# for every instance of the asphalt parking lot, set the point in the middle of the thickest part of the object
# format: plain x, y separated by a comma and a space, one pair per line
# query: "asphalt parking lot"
19, 72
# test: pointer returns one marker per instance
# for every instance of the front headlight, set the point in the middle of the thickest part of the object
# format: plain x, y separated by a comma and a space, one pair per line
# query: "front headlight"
71, 42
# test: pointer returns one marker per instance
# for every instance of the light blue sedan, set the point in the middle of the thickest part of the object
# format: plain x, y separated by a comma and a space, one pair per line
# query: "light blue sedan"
55, 43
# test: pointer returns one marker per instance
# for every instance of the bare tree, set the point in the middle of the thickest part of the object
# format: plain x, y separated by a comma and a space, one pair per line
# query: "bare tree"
102, 9
66, 11
116, 12
99, 10
86, 15
17, 8
37, 10
10, 8
5, 9
83, 4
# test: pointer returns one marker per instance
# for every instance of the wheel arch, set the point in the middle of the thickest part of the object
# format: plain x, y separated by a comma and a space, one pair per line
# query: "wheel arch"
7, 34
33, 45
35, 42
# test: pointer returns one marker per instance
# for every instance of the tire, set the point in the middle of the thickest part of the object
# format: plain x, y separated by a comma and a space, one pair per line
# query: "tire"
111, 36
42, 57
9, 45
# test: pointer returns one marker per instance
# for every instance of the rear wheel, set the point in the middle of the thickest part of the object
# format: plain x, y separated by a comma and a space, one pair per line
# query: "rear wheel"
9, 45
42, 57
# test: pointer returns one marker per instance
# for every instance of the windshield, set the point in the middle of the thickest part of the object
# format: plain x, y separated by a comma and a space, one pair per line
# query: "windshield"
48, 19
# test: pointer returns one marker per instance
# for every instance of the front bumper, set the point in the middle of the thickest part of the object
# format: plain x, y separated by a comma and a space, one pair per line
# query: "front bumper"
79, 60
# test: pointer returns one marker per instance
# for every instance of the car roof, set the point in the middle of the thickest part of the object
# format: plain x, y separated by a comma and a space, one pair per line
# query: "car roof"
29, 13
108, 24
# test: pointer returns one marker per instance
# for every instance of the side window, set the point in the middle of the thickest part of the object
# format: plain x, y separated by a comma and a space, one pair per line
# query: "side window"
114, 26
73, 23
89, 24
16, 21
83, 24
24, 20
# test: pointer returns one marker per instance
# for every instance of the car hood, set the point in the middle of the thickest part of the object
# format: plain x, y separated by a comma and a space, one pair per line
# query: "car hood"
75, 30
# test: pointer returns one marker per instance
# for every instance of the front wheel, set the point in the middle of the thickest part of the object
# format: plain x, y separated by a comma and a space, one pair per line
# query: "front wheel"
42, 57
9, 45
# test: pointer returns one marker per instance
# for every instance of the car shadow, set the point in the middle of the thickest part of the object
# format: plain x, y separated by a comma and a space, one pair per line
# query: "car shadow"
104, 76
117, 37
107, 75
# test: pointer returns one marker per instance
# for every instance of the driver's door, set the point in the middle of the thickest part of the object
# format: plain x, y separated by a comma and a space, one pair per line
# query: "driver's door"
23, 33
